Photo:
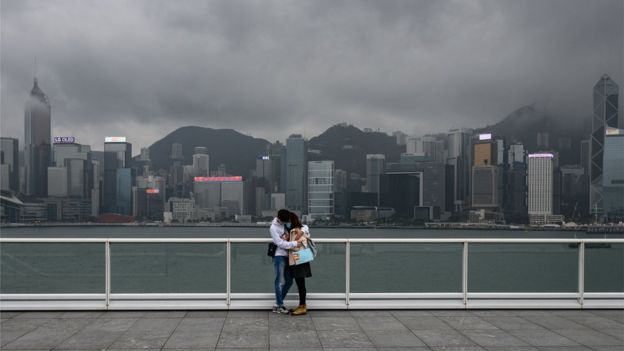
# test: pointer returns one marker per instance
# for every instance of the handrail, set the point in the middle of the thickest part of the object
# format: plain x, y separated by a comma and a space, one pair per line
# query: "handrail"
348, 299
321, 240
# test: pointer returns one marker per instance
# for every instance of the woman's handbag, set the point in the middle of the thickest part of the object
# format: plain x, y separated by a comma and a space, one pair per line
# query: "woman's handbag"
271, 250
312, 247
305, 256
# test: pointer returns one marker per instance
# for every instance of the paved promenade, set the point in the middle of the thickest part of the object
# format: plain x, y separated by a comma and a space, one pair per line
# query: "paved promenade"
522, 330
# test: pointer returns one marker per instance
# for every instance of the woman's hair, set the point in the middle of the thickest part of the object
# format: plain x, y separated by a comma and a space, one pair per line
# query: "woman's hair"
294, 221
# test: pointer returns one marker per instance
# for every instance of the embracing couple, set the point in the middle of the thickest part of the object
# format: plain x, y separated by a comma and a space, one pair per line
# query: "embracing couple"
290, 239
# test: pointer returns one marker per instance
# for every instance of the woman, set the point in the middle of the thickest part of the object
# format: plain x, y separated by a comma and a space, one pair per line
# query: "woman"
299, 232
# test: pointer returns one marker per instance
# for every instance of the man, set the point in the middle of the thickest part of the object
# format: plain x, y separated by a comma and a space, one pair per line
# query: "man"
279, 235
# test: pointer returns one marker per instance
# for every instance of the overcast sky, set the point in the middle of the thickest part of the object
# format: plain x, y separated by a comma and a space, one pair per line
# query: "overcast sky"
270, 68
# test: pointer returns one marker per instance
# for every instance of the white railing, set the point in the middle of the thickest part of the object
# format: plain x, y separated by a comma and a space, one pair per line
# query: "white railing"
347, 300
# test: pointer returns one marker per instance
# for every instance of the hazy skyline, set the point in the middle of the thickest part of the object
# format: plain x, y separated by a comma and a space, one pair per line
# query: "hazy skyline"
271, 68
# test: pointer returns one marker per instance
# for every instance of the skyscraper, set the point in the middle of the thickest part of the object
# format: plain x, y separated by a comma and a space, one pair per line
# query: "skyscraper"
177, 171
540, 179
458, 159
374, 168
117, 155
321, 189
296, 173
613, 175
201, 162
486, 176
37, 125
605, 115
9, 164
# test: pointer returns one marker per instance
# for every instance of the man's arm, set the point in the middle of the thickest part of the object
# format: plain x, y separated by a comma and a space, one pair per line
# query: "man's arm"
276, 235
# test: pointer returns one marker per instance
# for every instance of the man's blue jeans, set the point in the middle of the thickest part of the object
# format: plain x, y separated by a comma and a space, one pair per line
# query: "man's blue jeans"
283, 279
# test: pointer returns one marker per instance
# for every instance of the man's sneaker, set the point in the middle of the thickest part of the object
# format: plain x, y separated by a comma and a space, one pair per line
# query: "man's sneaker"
275, 309
282, 310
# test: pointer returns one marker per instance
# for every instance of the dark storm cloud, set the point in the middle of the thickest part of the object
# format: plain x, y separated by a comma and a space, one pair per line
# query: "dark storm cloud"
268, 68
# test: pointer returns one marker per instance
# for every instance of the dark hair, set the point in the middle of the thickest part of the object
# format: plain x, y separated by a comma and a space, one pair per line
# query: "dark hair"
294, 221
283, 215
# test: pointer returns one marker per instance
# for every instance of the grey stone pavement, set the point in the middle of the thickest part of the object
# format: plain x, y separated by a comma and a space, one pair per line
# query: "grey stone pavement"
514, 330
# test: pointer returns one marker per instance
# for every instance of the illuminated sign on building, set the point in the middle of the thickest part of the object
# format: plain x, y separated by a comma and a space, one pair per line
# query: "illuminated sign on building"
486, 136
115, 139
219, 179
614, 131
264, 158
543, 155
152, 191
64, 140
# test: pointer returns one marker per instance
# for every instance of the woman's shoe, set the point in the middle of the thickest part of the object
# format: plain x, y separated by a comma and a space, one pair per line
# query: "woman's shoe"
300, 310
291, 310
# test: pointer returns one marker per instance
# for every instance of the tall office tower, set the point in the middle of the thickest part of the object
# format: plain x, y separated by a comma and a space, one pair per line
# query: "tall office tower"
400, 137
605, 116
37, 125
574, 192
458, 158
69, 150
144, 163
9, 164
77, 159
585, 156
431, 147
613, 175
117, 155
201, 162
148, 197
177, 171
515, 188
374, 168
321, 189
57, 181
95, 188
264, 184
540, 180
220, 194
277, 154
296, 173
486, 177
543, 140
123, 196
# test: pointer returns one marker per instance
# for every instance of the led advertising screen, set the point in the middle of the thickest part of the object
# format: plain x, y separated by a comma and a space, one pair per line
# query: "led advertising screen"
219, 179
64, 140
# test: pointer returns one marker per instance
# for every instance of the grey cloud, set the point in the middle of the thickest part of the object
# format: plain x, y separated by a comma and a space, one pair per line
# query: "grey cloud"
268, 68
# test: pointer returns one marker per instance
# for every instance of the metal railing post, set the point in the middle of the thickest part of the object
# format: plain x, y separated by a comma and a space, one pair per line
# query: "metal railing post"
228, 281
581, 272
107, 273
465, 274
347, 271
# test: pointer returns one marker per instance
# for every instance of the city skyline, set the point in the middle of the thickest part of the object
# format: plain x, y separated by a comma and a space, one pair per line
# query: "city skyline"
421, 67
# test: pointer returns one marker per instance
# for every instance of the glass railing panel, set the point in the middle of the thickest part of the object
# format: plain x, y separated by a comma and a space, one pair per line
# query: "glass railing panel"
52, 268
252, 269
168, 268
522, 267
604, 267
406, 267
